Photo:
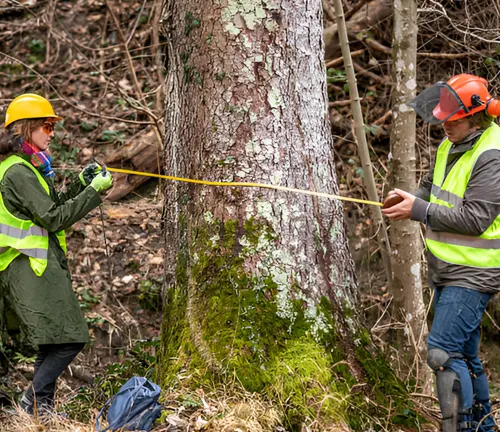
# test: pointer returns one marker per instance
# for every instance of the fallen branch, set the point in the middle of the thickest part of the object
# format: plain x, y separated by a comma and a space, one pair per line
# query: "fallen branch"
372, 43
80, 373
355, 8
425, 396
360, 69
141, 153
340, 60
492, 320
370, 15
446, 55
340, 103
335, 88
381, 120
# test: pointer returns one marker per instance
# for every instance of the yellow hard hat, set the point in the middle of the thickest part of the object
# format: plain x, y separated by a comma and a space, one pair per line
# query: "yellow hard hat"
29, 106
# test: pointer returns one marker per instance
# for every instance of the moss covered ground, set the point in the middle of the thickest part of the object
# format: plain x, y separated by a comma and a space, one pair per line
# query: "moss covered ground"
221, 324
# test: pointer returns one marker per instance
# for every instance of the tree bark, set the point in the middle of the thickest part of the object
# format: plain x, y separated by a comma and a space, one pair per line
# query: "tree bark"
260, 284
407, 304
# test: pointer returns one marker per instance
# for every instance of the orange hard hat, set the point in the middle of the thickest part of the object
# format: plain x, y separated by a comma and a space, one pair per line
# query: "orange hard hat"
461, 96
471, 90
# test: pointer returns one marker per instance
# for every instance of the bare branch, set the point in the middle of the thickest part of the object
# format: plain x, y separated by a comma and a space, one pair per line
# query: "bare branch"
442, 11
340, 60
72, 105
355, 8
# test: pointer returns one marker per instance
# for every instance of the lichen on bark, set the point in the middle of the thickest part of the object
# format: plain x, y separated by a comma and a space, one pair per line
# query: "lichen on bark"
226, 318
260, 284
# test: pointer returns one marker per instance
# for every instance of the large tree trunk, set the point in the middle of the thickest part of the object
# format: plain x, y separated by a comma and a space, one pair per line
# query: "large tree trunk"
407, 305
259, 284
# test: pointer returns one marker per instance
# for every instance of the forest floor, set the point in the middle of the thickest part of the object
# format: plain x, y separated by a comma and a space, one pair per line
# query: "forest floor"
70, 51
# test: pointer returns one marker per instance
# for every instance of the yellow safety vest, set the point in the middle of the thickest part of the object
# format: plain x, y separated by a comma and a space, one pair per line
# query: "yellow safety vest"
20, 236
484, 250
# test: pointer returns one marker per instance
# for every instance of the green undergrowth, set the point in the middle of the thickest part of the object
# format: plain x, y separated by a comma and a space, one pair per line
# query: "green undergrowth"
223, 322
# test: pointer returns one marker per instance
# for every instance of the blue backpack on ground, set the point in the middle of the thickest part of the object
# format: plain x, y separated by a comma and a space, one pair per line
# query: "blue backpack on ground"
134, 407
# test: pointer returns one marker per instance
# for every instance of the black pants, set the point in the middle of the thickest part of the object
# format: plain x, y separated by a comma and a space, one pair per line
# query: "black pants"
50, 363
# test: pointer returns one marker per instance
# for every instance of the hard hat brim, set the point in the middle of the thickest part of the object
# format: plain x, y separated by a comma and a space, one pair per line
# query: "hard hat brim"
52, 118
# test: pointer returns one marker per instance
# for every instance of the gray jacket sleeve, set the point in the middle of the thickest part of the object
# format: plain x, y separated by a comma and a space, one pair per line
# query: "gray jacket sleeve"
424, 191
479, 208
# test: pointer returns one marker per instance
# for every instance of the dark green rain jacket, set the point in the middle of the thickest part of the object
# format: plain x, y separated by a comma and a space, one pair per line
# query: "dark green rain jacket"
45, 309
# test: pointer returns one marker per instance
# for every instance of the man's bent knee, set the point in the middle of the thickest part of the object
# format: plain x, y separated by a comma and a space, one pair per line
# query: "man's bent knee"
437, 358
449, 390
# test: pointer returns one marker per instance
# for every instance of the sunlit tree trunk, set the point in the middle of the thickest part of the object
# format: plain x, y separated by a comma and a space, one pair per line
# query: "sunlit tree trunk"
258, 282
407, 305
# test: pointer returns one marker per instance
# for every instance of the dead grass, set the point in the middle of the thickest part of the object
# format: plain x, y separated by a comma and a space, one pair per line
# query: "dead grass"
218, 412
18, 421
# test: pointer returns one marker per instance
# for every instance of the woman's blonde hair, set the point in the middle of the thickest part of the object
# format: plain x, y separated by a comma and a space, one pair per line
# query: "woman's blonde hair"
13, 136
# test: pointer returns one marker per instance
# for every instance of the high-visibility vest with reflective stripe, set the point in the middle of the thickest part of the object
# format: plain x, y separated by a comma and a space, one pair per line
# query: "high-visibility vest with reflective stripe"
481, 251
19, 236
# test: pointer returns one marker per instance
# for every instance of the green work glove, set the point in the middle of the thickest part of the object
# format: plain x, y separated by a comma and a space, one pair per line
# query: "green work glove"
102, 181
88, 173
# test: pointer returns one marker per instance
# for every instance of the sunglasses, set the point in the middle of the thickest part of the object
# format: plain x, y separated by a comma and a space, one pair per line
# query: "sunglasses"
48, 127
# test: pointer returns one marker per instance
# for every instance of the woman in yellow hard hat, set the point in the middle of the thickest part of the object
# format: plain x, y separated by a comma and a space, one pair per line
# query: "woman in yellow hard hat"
36, 295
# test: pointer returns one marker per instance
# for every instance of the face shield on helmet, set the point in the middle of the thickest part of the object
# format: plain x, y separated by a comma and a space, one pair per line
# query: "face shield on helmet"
440, 103
461, 96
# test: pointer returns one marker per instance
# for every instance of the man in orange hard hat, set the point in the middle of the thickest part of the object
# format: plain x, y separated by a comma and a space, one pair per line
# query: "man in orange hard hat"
459, 202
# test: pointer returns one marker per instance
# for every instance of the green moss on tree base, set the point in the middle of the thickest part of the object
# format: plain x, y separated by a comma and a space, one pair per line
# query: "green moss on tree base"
223, 320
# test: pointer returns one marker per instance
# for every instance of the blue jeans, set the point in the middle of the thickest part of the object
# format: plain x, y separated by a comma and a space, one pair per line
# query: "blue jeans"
456, 330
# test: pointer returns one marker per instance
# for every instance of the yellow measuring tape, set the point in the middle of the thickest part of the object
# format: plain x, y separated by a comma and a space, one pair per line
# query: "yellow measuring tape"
245, 184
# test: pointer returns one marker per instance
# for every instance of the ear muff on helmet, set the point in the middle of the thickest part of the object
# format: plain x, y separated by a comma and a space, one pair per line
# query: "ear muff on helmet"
493, 108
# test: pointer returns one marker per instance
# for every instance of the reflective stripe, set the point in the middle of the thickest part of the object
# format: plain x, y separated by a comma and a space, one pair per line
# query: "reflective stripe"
18, 233
462, 240
19, 236
35, 253
447, 196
